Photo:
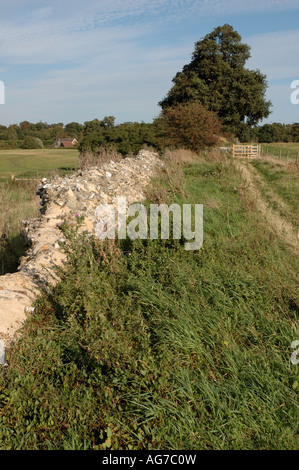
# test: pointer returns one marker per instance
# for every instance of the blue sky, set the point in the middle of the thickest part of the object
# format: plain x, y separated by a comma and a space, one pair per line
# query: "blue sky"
64, 61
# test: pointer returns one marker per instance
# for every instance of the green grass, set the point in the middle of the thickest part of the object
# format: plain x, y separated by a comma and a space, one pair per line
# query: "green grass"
280, 182
144, 345
36, 163
283, 150
18, 201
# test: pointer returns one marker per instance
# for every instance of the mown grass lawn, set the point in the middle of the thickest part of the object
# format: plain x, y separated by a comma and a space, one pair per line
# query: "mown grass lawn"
36, 162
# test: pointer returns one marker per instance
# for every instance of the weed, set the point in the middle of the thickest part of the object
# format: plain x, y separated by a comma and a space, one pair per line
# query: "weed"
103, 154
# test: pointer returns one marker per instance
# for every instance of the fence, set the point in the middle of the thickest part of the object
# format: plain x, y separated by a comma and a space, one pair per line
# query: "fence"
246, 151
284, 153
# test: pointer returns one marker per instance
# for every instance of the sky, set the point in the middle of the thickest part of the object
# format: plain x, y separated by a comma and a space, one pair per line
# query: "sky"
65, 61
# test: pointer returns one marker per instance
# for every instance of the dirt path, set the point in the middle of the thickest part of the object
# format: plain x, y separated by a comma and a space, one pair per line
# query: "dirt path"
282, 227
274, 200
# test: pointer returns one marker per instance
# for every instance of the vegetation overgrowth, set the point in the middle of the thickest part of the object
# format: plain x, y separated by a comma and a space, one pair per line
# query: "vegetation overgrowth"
144, 345
279, 185
189, 125
18, 202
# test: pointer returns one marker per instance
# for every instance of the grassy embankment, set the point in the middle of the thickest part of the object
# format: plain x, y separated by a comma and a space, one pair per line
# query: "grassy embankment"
17, 197
279, 186
144, 345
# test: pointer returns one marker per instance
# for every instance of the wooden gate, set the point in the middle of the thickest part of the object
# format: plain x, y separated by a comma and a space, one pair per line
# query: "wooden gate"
246, 151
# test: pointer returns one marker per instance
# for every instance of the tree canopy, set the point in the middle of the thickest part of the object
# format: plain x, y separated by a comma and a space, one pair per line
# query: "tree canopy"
218, 79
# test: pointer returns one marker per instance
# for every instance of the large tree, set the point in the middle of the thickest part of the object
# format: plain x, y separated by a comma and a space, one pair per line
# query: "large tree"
218, 79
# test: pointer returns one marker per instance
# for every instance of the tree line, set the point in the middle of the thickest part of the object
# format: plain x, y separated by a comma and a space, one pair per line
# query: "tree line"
126, 137
131, 136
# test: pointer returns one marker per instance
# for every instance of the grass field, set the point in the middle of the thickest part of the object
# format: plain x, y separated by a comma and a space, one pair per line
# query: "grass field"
144, 345
36, 162
283, 150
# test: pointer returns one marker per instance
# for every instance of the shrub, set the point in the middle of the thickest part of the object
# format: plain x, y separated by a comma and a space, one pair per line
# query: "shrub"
31, 143
189, 125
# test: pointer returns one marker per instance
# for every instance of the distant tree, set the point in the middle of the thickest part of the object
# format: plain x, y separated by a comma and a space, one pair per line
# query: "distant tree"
42, 126
3, 132
74, 129
247, 133
25, 125
92, 126
295, 132
57, 131
268, 133
13, 135
217, 78
108, 121
31, 143
128, 137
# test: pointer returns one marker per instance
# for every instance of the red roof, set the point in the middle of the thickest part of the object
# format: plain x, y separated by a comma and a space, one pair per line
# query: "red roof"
66, 142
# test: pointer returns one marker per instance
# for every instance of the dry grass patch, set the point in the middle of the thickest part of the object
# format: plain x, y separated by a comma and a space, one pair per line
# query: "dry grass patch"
98, 157
181, 156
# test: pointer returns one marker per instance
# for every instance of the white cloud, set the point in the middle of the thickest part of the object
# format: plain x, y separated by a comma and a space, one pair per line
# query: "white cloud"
244, 6
34, 32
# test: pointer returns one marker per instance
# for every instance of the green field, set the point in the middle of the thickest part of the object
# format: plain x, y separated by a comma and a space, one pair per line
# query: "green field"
36, 162
282, 150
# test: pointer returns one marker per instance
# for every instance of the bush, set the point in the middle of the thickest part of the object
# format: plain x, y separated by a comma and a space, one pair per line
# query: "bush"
31, 143
189, 125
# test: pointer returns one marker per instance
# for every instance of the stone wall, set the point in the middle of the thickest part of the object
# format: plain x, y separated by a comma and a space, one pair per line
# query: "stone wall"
63, 199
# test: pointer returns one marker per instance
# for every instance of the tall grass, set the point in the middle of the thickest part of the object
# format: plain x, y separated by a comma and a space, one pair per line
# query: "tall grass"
143, 345
104, 154
18, 202
282, 181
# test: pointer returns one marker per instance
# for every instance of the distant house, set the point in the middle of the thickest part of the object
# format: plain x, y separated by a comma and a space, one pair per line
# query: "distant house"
65, 143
